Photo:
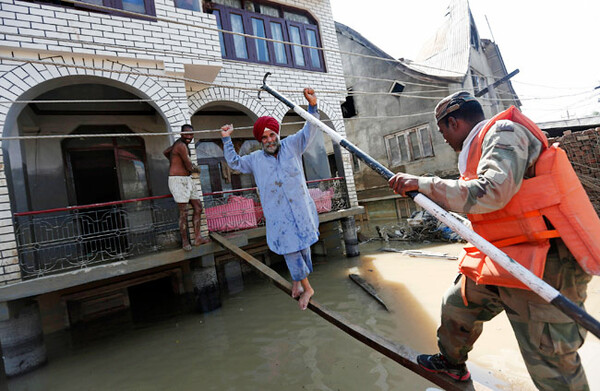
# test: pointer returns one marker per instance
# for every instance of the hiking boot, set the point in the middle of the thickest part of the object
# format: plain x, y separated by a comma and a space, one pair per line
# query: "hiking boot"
438, 363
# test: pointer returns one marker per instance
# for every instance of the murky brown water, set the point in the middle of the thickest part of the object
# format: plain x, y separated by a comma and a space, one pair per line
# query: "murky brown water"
260, 340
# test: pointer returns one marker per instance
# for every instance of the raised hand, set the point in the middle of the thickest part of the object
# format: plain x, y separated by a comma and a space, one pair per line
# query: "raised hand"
310, 96
226, 130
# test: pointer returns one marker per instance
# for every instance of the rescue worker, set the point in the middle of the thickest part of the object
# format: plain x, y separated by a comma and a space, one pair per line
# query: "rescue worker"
524, 197
290, 213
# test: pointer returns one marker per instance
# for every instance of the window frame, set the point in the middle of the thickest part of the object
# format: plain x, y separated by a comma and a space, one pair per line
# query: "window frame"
404, 136
149, 4
478, 81
247, 16
196, 2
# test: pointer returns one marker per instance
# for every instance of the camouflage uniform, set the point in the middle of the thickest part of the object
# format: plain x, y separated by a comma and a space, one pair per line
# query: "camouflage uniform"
547, 338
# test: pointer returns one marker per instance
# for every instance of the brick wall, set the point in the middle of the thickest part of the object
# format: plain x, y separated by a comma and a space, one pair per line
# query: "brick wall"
583, 149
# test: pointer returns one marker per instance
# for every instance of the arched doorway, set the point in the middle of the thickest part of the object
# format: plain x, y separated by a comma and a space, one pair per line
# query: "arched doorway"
216, 176
106, 162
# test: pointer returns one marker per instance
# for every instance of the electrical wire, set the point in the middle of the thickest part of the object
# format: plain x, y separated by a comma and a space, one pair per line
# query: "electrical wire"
169, 20
335, 92
203, 131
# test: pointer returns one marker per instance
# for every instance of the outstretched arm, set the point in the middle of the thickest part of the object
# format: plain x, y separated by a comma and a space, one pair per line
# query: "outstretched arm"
301, 140
235, 161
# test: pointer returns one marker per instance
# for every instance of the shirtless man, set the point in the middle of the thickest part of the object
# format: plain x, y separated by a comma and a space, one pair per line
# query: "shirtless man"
182, 187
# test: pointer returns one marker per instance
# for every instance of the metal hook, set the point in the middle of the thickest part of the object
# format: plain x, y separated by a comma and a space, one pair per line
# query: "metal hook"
264, 83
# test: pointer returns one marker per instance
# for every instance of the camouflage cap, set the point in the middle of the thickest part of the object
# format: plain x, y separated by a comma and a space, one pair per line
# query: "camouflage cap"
452, 103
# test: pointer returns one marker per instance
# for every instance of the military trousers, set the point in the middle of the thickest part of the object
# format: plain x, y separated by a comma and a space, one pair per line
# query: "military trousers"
548, 339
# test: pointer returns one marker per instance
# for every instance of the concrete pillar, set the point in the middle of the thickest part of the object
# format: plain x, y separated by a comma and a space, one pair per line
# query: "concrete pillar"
319, 249
350, 237
207, 294
233, 277
21, 337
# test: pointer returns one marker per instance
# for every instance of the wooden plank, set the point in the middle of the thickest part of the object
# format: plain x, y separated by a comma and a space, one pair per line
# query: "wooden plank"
401, 354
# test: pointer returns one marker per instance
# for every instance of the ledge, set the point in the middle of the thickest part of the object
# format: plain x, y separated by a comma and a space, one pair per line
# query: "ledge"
56, 282
72, 278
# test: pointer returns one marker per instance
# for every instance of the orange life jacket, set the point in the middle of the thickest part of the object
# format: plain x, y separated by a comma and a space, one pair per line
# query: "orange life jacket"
519, 229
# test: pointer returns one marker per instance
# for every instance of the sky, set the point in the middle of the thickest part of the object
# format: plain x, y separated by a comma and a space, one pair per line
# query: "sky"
554, 44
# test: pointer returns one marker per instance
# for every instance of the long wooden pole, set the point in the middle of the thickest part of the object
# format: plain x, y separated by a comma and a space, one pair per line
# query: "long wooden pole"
537, 285
401, 354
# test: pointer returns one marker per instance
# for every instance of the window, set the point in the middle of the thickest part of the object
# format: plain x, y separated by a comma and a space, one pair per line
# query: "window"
409, 145
218, 14
473, 33
192, 5
396, 88
270, 21
348, 108
239, 43
145, 7
479, 82
258, 29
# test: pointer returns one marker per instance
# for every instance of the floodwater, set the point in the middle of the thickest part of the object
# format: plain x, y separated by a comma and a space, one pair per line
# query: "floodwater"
260, 340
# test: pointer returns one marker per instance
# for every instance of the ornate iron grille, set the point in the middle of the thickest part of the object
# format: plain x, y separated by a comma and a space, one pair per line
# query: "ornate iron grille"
67, 238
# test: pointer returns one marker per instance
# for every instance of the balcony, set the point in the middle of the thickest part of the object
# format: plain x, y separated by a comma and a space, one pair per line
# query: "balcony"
57, 240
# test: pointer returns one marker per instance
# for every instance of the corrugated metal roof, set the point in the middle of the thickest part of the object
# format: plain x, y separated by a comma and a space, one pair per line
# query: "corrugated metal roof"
446, 54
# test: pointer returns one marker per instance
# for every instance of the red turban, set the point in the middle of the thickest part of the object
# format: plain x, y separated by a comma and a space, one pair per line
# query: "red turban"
262, 123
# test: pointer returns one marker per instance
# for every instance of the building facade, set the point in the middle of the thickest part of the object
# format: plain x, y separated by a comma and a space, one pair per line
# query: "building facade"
92, 92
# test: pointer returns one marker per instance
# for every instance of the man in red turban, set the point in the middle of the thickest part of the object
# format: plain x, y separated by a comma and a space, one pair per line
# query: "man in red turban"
262, 123
290, 213
266, 132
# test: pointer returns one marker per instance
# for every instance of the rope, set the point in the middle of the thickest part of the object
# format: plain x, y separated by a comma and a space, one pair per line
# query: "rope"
204, 131
169, 20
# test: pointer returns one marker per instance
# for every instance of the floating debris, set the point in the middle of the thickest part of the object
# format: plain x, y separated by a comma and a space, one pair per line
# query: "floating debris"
420, 227
423, 254
367, 288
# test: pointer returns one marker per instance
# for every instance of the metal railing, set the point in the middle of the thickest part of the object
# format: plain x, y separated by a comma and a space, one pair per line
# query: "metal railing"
56, 240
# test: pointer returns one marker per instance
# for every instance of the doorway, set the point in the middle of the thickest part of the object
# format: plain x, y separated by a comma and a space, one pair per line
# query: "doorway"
95, 176
101, 170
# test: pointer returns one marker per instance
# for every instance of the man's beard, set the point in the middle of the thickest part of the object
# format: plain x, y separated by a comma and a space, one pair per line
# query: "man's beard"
271, 148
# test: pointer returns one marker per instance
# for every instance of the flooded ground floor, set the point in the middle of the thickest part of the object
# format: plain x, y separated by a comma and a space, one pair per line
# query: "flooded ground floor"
260, 340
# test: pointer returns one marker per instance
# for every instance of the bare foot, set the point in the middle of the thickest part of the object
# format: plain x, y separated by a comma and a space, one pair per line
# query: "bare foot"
296, 289
198, 240
305, 298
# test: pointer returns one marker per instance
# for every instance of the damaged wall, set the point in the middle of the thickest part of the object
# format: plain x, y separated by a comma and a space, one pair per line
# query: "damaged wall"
583, 149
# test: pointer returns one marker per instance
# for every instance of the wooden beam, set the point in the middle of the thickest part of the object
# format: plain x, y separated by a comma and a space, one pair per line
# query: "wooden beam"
401, 354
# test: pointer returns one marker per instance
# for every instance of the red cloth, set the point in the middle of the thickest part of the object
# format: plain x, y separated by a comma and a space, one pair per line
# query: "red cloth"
262, 123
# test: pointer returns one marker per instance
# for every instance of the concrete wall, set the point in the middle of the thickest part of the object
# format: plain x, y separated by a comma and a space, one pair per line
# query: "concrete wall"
368, 134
